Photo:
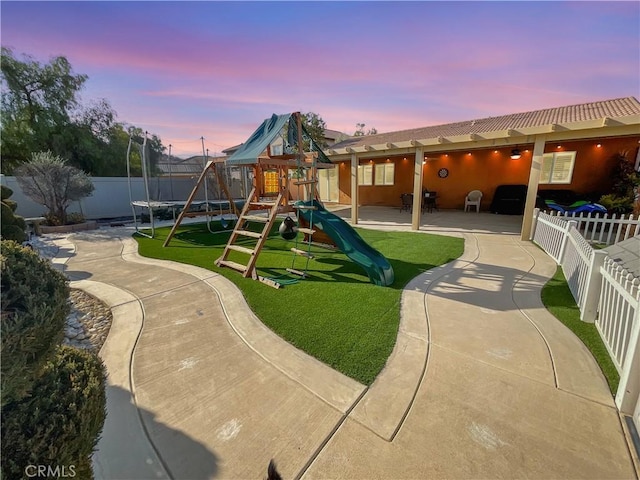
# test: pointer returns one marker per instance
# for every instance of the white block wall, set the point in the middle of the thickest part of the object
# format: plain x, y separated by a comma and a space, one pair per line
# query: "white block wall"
110, 198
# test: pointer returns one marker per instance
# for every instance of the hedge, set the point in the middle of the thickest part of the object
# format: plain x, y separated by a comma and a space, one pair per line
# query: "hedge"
59, 424
12, 226
34, 299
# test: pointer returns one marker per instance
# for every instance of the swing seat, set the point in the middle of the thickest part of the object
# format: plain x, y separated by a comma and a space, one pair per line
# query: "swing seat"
288, 229
228, 222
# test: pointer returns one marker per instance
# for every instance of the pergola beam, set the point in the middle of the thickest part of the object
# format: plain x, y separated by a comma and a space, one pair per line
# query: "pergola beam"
510, 136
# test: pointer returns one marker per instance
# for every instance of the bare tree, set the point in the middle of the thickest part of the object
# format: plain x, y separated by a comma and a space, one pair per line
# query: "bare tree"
48, 180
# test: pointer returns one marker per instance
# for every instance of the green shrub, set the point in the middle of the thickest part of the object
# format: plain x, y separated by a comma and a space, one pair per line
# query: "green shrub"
12, 226
60, 423
74, 218
625, 181
616, 204
34, 299
5, 192
52, 220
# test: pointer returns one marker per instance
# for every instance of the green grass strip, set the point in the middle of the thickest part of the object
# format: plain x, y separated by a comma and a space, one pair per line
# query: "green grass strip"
336, 315
558, 299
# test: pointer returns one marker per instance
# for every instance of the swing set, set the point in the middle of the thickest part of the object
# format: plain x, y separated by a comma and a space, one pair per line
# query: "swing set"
270, 195
154, 201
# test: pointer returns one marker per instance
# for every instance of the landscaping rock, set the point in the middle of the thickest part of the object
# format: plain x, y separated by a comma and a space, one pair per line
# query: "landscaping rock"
88, 323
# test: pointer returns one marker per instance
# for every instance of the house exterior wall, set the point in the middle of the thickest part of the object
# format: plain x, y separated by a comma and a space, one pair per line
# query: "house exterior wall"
486, 169
594, 165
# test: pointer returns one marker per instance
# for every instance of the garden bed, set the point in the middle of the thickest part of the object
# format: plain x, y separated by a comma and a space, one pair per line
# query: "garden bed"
77, 227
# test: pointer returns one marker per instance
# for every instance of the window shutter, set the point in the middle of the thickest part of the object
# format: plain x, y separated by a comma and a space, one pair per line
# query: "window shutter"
365, 174
547, 164
389, 174
563, 167
379, 174
385, 174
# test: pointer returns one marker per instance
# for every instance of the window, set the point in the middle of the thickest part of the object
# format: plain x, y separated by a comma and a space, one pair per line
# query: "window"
365, 174
271, 185
276, 149
557, 167
385, 173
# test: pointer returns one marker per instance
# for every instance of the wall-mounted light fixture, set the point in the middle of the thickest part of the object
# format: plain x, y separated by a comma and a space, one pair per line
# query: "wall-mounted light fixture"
515, 154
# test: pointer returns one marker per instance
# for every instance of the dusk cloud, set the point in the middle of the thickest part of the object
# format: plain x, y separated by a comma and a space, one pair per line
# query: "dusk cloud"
184, 70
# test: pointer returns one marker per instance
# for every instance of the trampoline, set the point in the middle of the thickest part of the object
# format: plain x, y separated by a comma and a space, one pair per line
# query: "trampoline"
225, 210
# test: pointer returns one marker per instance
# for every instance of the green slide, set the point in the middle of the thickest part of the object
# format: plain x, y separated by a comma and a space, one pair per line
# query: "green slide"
378, 268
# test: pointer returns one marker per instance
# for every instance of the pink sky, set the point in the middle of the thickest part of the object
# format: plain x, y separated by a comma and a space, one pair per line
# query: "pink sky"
184, 70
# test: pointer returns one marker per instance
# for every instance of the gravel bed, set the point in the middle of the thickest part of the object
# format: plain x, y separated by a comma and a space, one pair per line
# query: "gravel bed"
88, 322
90, 319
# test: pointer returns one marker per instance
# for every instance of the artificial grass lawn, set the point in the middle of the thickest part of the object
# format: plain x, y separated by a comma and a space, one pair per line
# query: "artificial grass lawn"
558, 299
336, 314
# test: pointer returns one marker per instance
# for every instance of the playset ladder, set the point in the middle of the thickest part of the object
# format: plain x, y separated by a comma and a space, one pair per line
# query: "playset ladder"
240, 232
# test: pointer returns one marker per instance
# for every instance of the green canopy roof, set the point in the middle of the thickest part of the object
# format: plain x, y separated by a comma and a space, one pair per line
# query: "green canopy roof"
265, 134
249, 152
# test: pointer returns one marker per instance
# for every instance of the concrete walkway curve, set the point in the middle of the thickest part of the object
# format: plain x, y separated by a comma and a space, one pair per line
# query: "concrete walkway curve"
483, 382
507, 391
208, 390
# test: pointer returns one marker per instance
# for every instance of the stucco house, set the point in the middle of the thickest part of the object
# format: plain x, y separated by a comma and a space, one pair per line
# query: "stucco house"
570, 147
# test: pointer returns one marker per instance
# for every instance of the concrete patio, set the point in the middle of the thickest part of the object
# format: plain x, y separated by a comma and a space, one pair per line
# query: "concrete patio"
483, 382
443, 222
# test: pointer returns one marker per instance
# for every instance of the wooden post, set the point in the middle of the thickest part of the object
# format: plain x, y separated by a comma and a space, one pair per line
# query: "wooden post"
354, 189
417, 189
532, 190
258, 181
225, 190
536, 214
188, 204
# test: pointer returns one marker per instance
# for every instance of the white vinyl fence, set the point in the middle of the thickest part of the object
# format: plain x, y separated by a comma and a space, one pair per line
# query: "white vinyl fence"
602, 229
604, 291
550, 233
580, 265
619, 325
618, 303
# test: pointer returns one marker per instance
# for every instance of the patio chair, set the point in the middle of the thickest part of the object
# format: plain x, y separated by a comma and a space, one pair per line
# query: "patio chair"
429, 199
406, 202
473, 199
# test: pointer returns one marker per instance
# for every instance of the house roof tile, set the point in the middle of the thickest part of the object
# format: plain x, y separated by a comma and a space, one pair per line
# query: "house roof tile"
619, 107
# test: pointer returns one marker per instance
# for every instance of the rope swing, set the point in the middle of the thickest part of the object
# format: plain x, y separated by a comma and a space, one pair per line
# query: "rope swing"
289, 228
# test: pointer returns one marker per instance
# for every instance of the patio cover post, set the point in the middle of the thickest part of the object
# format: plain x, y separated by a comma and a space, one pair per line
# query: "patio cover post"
417, 189
354, 189
532, 190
